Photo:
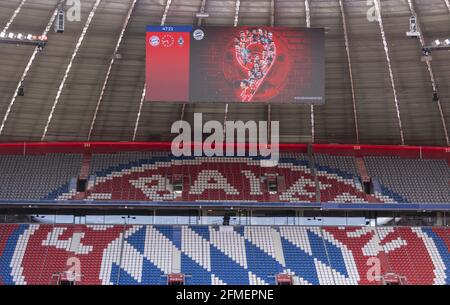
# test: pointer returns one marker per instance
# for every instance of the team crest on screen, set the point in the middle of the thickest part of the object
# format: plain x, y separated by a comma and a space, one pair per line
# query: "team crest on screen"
198, 34
167, 41
154, 41
181, 41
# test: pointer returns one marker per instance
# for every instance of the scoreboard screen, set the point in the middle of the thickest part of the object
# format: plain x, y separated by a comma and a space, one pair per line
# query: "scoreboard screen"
235, 64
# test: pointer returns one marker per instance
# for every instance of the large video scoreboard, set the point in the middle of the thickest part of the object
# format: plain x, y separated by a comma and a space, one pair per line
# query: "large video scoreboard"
235, 64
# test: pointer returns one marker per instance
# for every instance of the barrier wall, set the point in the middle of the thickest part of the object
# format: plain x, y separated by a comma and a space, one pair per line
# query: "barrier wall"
336, 149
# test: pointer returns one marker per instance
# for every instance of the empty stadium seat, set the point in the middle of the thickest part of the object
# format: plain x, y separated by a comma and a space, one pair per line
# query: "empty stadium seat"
36, 177
411, 180
147, 176
145, 255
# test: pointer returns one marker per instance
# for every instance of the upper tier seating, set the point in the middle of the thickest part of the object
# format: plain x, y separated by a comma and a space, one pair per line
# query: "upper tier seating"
341, 168
144, 254
415, 180
34, 177
151, 176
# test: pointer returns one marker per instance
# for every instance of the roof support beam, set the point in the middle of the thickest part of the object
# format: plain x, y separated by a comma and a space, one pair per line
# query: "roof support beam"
13, 17
138, 117
225, 118
69, 67
350, 69
391, 73
430, 70
308, 24
202, 10
166, 12
111, 63
236, 12
183, 111
272, 12
27, 68
447, 2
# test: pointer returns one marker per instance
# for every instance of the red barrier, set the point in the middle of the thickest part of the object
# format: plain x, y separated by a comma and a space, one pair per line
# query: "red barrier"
335, 149
111, 147
414, 152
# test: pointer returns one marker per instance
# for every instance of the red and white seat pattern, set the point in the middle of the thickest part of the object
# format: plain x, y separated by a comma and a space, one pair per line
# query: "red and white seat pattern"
207, 179
143, 254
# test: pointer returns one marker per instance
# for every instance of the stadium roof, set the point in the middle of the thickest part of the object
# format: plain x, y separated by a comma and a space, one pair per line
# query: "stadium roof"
373, 105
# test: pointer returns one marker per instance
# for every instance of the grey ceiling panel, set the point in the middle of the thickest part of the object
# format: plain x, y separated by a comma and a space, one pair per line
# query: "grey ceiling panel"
334, 122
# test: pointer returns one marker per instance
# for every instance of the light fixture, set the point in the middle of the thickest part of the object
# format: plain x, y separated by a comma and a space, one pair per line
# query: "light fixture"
437, 42
21, 91
435, 97
40, 46
202, 15
447, 41
5, 36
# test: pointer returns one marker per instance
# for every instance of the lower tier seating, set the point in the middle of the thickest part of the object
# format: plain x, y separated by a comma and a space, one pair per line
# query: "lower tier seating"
145, 255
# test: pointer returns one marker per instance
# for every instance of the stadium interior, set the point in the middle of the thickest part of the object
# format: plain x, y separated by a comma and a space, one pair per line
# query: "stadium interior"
92, 194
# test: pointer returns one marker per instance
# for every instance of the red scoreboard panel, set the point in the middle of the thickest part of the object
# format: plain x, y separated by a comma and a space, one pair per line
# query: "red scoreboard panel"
235, 64
168, 63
